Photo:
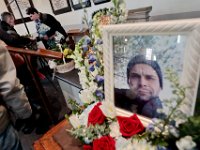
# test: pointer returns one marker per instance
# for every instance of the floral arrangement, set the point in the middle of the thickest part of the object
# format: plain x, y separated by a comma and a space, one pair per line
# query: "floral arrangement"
98, 125
95, 121
64, 65
88, 54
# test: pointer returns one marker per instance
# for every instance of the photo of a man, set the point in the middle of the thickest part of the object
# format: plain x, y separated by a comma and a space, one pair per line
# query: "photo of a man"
145, 81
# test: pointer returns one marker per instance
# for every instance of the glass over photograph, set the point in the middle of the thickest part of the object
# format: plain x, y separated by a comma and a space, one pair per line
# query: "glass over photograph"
140, 63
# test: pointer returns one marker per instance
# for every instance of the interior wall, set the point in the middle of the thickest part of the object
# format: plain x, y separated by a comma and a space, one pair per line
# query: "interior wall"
74, 17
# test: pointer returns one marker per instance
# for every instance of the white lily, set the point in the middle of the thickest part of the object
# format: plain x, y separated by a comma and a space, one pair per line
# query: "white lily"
74, 120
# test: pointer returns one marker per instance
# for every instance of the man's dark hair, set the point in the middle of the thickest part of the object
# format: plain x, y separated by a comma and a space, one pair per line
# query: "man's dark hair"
31, 10
140, 59
5, 15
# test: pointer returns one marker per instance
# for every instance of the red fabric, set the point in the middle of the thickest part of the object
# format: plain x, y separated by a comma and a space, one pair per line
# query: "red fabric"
17, 59
130, 126
40, 75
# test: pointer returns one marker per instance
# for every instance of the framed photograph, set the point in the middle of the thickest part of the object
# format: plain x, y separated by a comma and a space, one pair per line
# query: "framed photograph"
20, 11
60, 6
79, 4
96, 2
136, 58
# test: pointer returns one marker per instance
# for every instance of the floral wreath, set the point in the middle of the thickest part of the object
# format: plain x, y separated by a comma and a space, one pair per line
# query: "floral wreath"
95, 121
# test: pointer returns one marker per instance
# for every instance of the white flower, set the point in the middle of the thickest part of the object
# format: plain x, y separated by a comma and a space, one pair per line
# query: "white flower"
82, 68
108, 109
142, 144
167, 110
114, 127
185, 143
87, 141
52, 64
95, 72
84, 116
173, 104
77, 64
173, 131
74, 120
86, 96
123, 144
180, 121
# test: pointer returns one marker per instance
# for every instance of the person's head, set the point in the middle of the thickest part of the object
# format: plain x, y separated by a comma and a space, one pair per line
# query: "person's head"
33, 13
144, 77
8, 18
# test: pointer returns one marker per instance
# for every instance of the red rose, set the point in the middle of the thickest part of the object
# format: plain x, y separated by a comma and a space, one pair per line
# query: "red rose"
130, 126
105, 143
96, 116
87, 147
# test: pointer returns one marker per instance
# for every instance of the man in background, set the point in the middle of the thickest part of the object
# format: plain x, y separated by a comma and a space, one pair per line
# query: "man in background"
13, 99
144, 78
47, 19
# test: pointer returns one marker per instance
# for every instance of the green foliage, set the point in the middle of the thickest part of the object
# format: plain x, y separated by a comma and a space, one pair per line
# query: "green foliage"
116, 10
87, 135
191, 127
165, 130
76, 108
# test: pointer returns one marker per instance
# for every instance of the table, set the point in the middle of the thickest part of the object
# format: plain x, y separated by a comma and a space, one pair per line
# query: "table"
78, 32
57, 138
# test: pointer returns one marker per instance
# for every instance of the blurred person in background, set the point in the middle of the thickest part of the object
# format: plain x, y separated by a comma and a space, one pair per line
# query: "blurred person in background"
52, 24
12, 99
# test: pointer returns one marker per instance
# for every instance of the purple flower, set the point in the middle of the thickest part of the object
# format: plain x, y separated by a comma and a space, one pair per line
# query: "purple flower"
150, 127
85, 48
88, 41
98, 63
91, 58
91, 68
99, 79
99, 94
99, 42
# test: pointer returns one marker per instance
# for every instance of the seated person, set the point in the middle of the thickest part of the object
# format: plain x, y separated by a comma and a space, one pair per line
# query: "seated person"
144, 78
7, 25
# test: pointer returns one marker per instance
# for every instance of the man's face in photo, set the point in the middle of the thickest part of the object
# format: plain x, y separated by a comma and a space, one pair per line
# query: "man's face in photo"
144, 82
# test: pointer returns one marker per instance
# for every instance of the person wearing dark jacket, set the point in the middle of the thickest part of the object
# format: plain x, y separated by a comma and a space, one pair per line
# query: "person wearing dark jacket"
13, 40
47, 19
7, 25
